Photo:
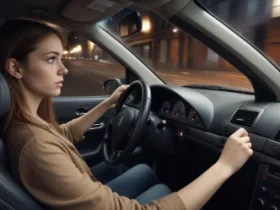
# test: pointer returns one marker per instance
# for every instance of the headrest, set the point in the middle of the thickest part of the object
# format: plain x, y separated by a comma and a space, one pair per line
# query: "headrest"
5, 98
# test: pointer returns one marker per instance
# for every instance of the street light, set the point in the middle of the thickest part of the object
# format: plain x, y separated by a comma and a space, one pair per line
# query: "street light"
146, 24
275, 8
175, 30
76, 49
275, 3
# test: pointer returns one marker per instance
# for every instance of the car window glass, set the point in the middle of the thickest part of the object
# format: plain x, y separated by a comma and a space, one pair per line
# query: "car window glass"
177, 57
89, 66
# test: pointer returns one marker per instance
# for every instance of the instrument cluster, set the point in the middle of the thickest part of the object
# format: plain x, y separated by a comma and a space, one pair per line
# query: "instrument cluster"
180, 111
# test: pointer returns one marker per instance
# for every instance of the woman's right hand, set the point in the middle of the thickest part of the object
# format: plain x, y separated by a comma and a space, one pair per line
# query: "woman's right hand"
237, 150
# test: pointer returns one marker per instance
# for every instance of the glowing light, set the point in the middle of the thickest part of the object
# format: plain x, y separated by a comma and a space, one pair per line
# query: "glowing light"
275, 3
275, 8
175, 30
91, 45
146, 24
76, 49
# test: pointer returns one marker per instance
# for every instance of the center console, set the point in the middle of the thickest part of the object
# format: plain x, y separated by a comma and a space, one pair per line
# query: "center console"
266, 195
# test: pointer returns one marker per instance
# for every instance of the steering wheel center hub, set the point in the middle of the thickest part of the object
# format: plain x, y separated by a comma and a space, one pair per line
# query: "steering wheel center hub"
121, 124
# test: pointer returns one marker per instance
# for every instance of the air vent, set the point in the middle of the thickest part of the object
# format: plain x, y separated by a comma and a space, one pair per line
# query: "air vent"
244, 117
277, 137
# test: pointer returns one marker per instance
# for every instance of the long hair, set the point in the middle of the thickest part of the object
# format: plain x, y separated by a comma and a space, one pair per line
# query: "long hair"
18, 38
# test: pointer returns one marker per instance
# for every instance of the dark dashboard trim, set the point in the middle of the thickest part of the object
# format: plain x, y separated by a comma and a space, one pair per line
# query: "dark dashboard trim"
267, 150
201, 103
216, 109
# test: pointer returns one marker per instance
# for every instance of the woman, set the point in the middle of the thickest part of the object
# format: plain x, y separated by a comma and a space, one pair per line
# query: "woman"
42, 154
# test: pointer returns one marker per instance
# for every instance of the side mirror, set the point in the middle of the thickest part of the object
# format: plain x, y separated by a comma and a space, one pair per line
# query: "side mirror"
130, 23
111, 85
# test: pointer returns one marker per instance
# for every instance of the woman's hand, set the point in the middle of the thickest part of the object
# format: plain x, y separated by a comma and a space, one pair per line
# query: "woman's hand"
112, 100
237, 150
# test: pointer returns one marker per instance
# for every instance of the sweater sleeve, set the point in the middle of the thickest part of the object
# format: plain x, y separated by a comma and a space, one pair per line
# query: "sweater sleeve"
48, 173
71, 132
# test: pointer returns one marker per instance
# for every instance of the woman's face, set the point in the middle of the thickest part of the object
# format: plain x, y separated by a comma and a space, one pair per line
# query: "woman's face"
44, 71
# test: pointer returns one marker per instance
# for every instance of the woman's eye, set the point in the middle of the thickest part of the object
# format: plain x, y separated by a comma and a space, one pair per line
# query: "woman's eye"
51, 59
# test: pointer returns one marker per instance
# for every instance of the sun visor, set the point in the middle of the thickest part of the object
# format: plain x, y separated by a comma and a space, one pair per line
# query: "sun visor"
92, 11
150, 4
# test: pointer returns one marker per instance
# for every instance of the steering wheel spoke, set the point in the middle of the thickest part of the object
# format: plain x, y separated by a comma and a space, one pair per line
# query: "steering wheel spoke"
131, 129
116, 155
108, 130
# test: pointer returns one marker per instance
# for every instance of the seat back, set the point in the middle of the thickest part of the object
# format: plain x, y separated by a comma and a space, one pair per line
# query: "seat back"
12, 195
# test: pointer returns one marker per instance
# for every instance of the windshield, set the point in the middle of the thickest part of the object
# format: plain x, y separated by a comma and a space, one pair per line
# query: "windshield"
178, 58
258, 21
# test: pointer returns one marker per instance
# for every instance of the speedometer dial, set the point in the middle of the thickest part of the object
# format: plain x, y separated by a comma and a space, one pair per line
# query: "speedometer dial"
192, 116
179, 110
165, 108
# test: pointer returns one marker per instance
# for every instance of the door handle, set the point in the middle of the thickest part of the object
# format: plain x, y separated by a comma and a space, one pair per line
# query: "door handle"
81, 111
91, 153
97, 126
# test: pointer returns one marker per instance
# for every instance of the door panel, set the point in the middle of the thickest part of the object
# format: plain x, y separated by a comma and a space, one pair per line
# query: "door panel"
68, 108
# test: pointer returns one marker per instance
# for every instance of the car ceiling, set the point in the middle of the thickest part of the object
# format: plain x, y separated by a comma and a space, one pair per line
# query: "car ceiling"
77, 11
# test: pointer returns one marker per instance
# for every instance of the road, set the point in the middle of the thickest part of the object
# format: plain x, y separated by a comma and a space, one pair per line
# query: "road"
87, 77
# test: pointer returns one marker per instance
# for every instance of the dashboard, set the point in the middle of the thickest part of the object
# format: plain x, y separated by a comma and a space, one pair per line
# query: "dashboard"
178, 110
206, 118
184, 117
211, 116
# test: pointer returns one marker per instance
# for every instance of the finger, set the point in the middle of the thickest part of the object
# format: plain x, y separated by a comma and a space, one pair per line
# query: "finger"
245, 139
250, 152
124, 87
249, 145
240, 133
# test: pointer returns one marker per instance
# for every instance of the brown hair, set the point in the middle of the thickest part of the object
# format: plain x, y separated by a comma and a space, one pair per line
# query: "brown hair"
18, 38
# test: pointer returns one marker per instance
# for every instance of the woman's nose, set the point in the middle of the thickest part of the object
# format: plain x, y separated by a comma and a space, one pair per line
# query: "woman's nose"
65, 71
62, 70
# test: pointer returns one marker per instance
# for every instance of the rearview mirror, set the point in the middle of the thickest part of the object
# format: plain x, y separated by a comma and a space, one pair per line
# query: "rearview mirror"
111, 85
130, 24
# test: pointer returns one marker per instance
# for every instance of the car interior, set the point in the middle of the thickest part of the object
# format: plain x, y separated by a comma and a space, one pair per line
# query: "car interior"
185, 127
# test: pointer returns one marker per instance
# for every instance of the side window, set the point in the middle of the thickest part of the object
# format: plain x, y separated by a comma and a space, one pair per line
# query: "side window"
89, 66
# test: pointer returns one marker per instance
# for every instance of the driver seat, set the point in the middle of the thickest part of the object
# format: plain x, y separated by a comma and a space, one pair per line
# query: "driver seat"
12, 195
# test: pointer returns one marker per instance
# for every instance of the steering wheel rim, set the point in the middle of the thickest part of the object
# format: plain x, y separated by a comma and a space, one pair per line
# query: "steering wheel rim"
125, 120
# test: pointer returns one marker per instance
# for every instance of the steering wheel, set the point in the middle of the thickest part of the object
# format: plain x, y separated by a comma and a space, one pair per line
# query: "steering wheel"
124, 130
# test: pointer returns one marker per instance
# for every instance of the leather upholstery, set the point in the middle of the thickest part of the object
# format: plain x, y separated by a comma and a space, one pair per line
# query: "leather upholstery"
12, 195
5, 101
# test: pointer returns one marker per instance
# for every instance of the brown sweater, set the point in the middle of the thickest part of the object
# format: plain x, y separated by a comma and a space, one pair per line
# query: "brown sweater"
49, 166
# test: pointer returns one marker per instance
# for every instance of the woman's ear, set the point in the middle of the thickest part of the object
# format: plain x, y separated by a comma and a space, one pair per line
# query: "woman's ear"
13, 68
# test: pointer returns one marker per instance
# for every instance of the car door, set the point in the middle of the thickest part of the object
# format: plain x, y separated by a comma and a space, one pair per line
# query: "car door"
89, 67
69, 108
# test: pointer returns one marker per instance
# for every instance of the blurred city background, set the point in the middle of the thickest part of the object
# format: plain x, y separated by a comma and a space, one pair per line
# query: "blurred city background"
176, 57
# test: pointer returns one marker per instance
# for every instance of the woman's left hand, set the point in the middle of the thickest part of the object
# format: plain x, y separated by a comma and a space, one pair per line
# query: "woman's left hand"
116, 95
